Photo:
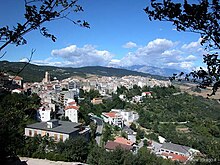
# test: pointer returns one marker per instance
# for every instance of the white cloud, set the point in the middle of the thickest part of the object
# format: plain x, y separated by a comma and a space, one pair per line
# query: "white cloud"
194, 47
158, 53
191, 58
129, 45
24, 60
88, 55
164, 53
151, 54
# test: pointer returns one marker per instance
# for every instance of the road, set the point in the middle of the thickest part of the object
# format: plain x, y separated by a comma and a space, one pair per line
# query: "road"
100, 124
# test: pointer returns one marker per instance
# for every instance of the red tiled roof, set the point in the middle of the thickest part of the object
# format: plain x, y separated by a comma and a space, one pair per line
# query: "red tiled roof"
18, 78
111, 114
110, 145
122, 140
72, 107
72, 103
175, 157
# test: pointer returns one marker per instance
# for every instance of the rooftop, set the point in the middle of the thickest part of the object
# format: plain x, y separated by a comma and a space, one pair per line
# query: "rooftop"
111, 114
72, 107
175, 157
110, 145
122, 140
63, 127
175, 147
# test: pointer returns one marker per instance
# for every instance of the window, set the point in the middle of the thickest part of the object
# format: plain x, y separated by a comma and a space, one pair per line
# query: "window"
61, 137
43, 133
35, 133
48, 134
30, 132
55, 137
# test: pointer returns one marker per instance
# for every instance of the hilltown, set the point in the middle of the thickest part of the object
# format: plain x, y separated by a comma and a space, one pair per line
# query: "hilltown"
58, 100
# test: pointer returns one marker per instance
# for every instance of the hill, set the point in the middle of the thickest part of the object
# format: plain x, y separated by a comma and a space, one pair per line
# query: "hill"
35, 73
153, 70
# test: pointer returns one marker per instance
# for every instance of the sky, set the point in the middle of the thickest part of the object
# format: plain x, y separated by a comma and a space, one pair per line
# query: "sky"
120, 34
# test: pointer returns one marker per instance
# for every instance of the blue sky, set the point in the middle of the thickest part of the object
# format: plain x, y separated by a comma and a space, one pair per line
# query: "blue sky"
120, 35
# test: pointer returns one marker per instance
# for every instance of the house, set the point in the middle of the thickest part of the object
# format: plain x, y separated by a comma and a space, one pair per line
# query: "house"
111, 145
175, 149
131, 134
122, 140
17, 80
96, 101
70, 102
137, 99
146, 94
113, 118
58, 130
44, 113
127, 116
71, 112
175, 157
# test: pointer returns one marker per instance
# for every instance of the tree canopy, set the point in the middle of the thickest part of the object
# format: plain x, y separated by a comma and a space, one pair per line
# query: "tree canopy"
203, 18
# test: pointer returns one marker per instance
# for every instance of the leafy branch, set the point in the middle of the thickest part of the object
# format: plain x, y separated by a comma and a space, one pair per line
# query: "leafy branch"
37, 12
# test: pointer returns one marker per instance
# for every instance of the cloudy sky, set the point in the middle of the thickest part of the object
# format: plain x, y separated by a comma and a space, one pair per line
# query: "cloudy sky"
120, 35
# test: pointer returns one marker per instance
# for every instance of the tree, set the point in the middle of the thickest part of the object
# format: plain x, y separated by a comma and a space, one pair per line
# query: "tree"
202, 18
14, 114
38, 12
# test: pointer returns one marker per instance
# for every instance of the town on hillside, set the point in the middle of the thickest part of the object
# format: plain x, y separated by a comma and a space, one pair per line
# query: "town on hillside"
59, 115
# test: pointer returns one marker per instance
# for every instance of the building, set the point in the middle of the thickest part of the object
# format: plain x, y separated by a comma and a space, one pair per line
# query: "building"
17, 80
44, 113
71, 112
46, 78
96, 101
58, 130
111, 145
146, 94
175, 149
131, 134
127, 116
113, 118
122, 140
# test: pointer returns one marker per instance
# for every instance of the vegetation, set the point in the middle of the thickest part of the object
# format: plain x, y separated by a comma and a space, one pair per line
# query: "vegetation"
203, 18
165, 115
16, 110
44, 147
35, 73
169, 113
120, 157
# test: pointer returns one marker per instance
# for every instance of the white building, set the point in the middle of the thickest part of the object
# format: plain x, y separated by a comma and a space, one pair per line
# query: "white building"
43, 113
127, 116
113, 118
72, 113
58, 130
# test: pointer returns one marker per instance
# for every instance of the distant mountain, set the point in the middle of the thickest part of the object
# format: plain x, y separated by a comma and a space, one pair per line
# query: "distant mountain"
35, 73
166, 72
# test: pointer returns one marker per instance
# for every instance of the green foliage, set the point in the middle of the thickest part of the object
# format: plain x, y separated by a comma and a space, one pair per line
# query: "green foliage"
203, 18
123, 157
35, 73
140, 134
15, 111
107, 133
153, 136
163, 115
44, 147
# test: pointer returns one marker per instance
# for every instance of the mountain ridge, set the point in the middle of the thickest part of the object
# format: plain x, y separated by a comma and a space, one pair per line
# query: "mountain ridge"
35, 73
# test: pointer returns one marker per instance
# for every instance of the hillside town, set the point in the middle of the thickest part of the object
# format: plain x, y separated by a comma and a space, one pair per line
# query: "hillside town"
58, 115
